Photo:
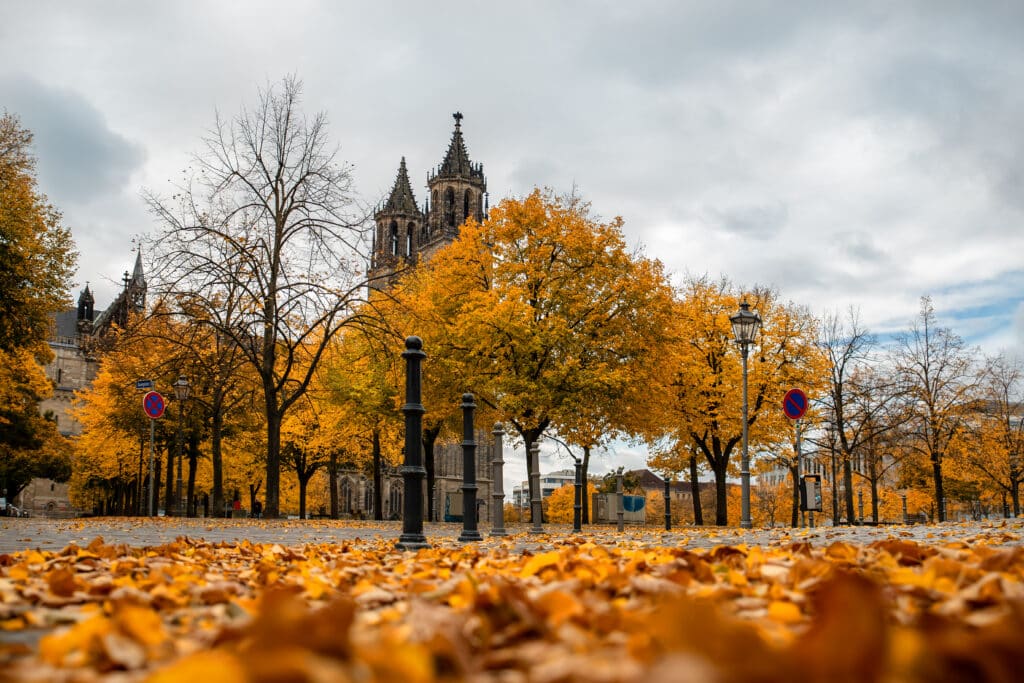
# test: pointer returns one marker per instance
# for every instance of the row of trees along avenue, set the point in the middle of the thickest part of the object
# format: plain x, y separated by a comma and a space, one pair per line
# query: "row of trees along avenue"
541, 310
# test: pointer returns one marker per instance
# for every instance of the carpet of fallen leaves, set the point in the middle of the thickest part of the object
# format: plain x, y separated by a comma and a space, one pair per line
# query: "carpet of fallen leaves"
590, 608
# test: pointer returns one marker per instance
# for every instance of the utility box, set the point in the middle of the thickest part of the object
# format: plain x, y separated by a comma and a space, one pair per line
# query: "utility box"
810, 493
604, 508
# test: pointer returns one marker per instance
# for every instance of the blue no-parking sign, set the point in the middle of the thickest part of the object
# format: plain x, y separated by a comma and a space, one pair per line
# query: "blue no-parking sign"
794, 404
153, 404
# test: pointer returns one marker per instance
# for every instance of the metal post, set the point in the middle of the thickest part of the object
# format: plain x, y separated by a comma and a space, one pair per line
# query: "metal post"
905, 518
799, 465
412, 469
577, 502
860, 505
152, 467
469, 487
668, 504
498, 488
620, 510
536, 503
745, 461
810, 518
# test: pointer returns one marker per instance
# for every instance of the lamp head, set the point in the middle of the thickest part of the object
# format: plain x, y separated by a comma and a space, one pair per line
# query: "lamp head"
745, 324
181, 388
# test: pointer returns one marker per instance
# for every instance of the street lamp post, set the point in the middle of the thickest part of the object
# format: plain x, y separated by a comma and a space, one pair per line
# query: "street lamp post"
181, 391
745, 324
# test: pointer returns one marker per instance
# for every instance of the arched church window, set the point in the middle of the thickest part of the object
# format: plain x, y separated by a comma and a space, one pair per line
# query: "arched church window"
394, 238
449, 207
346, 496
408, 239
467, 201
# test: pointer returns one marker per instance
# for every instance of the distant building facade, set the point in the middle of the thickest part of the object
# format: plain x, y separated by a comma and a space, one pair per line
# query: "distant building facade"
75, 337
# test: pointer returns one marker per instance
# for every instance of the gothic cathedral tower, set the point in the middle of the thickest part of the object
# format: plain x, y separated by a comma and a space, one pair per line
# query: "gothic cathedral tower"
404, 235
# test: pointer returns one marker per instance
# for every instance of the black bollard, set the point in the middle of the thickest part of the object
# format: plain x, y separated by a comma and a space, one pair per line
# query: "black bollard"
412, 469
498, 513
577, 504
620, 509
469, 487
536, 502
668, 504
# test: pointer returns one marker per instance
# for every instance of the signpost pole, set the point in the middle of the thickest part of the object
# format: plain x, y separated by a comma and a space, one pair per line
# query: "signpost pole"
794, 405
152, 438
799, 467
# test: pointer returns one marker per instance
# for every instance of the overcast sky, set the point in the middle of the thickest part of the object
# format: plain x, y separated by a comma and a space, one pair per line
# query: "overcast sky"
862, 155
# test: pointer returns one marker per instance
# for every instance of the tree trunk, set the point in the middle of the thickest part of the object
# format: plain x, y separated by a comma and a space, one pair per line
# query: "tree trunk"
217, 461
698, 510
721, 497
303, 481
138, 494
429, 439
332, 478
378, 500
794, 471
169, 486
272, 508
940, 504
254, 490
874, 499
585, 513
157, 473
1015, 497
835, 488
848, 488
193, 465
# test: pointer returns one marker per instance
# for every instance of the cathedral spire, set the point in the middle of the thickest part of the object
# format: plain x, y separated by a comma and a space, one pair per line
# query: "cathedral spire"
456, 161
402, 198
138, 279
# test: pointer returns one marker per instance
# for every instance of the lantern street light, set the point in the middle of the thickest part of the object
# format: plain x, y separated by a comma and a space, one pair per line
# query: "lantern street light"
181, 391
745, 324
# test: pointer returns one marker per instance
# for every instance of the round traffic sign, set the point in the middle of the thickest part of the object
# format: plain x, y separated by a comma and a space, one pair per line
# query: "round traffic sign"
794, 404
153, 404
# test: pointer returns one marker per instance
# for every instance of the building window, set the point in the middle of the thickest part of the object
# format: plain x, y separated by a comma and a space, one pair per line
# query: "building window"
466, 201
346, 496
408, 239
449, 207
394, 238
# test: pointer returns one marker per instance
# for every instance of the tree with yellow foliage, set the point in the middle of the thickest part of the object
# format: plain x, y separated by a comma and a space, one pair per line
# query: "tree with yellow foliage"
705, 396
37, 260
551, 319
37, 255
560, 506
990, 448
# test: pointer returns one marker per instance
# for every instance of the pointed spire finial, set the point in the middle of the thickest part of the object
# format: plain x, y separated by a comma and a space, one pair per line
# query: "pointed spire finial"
458, 119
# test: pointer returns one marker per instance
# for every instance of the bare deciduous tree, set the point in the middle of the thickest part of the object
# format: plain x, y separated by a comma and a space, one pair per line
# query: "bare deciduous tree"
938, 372
268, 220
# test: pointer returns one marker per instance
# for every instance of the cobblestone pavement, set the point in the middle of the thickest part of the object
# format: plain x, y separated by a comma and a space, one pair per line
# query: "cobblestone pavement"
52, 534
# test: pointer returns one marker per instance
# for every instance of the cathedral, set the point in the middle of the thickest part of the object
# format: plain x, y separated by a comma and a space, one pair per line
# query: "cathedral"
406, 234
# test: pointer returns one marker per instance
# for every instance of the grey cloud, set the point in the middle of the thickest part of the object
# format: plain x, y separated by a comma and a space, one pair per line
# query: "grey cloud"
758, 221
860, 247
80, 158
